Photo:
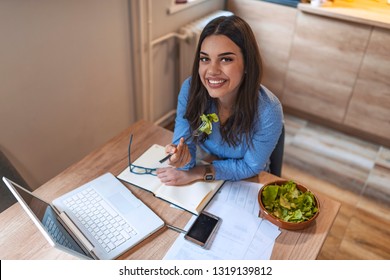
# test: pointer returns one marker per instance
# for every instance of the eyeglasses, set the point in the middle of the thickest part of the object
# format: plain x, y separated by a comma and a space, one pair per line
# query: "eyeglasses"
140, 170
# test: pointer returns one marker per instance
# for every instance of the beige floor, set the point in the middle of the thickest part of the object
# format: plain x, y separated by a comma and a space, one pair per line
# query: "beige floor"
352, 171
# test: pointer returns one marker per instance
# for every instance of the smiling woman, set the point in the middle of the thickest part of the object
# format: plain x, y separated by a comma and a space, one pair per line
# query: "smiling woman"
225, 80
221, 70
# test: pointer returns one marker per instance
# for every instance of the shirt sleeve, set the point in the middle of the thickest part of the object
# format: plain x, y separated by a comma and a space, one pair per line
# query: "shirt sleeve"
182, 126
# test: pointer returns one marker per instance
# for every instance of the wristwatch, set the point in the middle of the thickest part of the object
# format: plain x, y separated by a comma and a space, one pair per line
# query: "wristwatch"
208, 174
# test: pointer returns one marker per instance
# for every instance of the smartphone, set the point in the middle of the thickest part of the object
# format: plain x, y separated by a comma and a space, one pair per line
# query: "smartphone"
203, 228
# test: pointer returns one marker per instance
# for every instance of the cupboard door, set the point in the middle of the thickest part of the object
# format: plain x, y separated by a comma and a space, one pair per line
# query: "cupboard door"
324, 62
369, 109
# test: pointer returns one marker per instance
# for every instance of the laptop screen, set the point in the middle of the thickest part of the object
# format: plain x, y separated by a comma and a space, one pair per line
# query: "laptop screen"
48, 220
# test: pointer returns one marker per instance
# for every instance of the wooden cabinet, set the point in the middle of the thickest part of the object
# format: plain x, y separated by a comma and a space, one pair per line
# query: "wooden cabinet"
329, 69
325, 58
369, 108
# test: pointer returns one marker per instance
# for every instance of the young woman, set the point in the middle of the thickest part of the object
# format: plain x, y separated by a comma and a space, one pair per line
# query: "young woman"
226, 80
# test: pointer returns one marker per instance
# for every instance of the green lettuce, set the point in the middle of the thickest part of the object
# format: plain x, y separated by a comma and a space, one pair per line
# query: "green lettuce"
207, 123
288, 203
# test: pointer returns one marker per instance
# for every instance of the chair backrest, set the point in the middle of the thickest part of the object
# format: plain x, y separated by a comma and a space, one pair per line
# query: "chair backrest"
276, 158
9, 171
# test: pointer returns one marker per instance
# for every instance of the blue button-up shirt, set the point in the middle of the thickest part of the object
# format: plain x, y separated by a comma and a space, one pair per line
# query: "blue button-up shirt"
244, 160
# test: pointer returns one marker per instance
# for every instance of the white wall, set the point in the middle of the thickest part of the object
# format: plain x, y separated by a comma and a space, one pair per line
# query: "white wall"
65, 81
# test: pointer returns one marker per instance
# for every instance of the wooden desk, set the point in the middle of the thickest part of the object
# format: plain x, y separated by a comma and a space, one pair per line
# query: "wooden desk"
20, 239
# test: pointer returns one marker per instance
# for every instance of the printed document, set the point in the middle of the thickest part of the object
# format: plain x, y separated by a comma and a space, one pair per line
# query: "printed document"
241, 235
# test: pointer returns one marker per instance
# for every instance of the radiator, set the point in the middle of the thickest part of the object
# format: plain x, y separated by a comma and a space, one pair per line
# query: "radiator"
188, 46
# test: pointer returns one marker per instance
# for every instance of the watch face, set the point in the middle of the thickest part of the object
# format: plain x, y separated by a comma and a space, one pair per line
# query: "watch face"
209, 177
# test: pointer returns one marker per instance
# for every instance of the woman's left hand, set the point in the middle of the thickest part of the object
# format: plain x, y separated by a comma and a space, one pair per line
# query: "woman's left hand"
173, 177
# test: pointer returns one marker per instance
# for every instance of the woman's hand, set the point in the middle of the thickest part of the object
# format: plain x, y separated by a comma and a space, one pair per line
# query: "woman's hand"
180, 154
173, 177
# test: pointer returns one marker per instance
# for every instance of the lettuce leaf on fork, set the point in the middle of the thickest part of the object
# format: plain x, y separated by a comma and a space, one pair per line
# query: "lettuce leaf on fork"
207, 120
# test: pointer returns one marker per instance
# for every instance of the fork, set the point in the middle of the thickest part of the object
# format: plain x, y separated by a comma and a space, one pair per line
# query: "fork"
197, 132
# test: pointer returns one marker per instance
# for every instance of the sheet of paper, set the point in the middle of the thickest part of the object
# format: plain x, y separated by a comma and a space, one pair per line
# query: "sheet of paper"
241, 235
239, 194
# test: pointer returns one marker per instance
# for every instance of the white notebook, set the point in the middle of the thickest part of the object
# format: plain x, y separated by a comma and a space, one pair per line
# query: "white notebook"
193, 197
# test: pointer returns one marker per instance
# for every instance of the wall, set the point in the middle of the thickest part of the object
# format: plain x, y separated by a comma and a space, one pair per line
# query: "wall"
65, 81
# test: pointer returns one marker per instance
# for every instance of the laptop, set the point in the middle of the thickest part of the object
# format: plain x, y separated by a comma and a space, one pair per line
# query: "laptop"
101, 219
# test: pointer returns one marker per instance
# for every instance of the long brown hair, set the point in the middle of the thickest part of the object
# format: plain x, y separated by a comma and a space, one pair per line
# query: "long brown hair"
241, 122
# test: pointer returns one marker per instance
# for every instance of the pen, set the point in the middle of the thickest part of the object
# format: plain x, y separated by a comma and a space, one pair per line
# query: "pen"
169, 155
164, 159
177, 229
195, 133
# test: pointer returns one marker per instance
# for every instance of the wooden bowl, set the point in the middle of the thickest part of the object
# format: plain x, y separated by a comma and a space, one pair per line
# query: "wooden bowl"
264, 213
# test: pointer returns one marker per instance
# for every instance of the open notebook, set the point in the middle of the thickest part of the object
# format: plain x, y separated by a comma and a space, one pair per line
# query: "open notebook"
193, 197
100, 220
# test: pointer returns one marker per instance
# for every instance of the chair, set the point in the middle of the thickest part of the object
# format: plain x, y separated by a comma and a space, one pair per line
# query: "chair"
276, 158
8, 170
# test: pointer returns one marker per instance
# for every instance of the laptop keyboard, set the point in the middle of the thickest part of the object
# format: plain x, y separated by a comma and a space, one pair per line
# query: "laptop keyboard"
57, 234
106, 225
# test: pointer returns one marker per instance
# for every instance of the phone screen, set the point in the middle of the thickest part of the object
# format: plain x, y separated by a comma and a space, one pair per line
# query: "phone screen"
202, 229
